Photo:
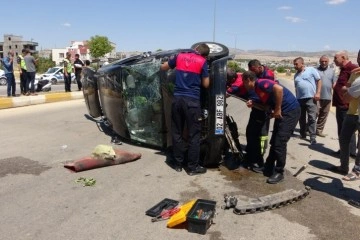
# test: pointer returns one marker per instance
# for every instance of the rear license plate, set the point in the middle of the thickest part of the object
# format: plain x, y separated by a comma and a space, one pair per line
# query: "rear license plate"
219, 115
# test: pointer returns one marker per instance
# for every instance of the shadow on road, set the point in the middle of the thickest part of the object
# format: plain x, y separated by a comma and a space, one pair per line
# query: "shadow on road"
334, 187
320, 164
322, 149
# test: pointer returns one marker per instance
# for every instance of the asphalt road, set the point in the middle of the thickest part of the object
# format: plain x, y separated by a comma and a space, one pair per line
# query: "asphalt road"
54, 88
41, 200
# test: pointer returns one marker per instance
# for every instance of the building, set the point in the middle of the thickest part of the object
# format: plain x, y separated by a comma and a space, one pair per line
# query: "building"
16, 44
81, 48
45, 53
58, 55
76, 47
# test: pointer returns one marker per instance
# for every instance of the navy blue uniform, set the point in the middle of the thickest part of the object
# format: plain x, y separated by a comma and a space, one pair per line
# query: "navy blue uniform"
283, 127
257, 129
186, 110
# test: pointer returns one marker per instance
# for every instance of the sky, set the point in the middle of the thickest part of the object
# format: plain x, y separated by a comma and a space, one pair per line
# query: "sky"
149, 25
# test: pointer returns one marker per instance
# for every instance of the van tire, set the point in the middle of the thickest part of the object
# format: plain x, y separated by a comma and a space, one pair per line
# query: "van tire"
217, 50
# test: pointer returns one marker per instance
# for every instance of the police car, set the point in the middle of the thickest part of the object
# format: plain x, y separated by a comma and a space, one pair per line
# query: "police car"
132, 97
56, 75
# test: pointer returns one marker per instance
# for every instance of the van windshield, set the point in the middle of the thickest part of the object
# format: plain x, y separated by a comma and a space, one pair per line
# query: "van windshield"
142, 89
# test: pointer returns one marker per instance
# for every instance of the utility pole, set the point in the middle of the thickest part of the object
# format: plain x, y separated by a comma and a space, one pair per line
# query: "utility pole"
235, 38
214, 20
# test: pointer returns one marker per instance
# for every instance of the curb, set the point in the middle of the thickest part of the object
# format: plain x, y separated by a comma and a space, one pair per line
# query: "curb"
11, 102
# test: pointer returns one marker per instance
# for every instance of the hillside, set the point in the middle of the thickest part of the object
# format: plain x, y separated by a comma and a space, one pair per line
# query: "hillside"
268, 55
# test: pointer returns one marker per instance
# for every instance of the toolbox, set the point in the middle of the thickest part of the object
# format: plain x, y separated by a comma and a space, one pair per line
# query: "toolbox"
166, 203
200, 216
180, 217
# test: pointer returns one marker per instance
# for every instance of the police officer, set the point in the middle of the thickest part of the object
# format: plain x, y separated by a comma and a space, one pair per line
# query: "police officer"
67, 72
22, 70
78, 64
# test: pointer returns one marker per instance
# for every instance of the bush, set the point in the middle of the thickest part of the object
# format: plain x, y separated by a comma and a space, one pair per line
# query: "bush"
43, 64
234, 66
281, 69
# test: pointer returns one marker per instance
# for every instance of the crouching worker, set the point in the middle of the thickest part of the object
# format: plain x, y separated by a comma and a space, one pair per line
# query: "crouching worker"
258, 123
286, 111
234, 84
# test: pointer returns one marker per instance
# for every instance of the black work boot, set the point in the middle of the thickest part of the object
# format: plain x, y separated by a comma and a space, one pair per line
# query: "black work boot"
198, 170
275, 178
258, 168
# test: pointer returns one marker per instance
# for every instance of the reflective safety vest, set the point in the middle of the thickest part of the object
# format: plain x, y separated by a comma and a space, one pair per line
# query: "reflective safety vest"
67, 65
22, 62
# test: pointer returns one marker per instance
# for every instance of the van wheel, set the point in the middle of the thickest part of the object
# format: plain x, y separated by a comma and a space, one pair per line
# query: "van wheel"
217, 50
54, 81
211, 152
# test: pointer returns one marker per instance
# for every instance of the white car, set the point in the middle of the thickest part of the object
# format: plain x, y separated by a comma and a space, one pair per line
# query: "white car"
2, 78
56, 75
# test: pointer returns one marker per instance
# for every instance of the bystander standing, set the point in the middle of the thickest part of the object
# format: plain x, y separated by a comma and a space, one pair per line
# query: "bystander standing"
307, 88
353, 94
8, 62
327, 76
348, 129
341, 59
30, 64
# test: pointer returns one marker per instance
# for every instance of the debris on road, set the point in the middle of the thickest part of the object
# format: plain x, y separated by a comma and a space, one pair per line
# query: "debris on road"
269, 202
300, 170
104, 152
102, 160
86, 181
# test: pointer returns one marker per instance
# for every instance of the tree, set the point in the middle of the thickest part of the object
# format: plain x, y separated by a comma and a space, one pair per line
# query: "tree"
99, 46
43, 64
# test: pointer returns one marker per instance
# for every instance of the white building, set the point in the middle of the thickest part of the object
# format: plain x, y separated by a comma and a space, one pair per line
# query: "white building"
81, 48
58, 55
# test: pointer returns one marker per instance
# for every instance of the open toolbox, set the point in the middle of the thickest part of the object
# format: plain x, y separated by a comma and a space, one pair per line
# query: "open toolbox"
200, 216
166, 203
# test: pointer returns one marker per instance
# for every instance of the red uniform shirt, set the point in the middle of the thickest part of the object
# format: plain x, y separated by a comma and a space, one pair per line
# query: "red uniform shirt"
238, 88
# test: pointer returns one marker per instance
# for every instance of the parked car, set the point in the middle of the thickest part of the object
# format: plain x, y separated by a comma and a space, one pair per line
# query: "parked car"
2, 78
133, 96
56, 75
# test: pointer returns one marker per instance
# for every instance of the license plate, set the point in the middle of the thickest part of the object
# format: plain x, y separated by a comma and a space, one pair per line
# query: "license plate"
219, 115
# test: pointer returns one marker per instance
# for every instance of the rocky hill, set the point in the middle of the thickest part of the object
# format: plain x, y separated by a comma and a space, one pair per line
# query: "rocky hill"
268, 55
